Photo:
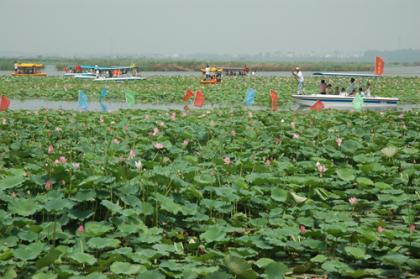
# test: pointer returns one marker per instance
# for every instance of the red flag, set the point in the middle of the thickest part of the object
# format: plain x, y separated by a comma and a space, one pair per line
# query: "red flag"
188, 95
274, 100
318, 105
199, 99
379, 66
4, 103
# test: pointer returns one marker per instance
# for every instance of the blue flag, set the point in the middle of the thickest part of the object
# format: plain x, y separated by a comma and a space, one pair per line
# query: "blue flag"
250, 95
104, 92
83, 100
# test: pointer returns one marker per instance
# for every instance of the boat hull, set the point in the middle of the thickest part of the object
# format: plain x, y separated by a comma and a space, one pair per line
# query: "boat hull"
335, 101
119, 78
29, 75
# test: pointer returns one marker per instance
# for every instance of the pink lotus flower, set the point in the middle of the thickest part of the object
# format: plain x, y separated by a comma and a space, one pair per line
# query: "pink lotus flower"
227, 160
155, 131
302, 229
380, 229
158, 145
13, 194
267, 163
296, 136
353, 201
321, 168
76, 166
132, 154
50, 149
126, 128
185, 142
173, 116
48, 185
338, 141
412, 228
62, 160
81, 229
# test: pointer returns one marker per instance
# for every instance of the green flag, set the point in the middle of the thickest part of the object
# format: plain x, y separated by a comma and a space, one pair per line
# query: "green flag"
130, 97
358, 103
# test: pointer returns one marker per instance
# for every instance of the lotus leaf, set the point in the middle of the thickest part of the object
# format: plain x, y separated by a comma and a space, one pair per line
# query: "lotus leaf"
125, 268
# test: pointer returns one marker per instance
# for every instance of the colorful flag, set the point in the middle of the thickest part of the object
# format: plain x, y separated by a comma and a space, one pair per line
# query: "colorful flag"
4, 103
274, 100
188, 95
130, 97
83, 100
358, 103
379, 66
250, 95
104, 92
199, 99
318, 105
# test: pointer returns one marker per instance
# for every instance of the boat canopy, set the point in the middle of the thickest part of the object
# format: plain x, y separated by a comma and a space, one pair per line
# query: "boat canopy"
379, 71
29, 65
336, 74
110, 68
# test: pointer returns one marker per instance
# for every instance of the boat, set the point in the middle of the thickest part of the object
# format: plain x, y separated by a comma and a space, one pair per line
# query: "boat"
215, 75
79, 70
28, 70
336, 101
112, 73
340, 101
235, 71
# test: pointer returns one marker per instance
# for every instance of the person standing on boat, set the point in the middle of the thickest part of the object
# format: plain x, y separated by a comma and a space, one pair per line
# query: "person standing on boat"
367, 91
299, 76
207, 71
97, 71
352, 86
323, 87
16, 67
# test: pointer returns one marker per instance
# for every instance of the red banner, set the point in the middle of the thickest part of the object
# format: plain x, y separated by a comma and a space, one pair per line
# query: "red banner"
199, 99
188, 95
318, 105
379, 66
4, 103
274, 100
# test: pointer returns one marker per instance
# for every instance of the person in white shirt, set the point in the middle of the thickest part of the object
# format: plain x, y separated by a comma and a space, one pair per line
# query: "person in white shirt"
367, 91
299, 76
207, 70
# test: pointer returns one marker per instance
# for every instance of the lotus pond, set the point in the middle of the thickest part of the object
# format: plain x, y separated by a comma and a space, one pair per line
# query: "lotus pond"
209, 194
171, 89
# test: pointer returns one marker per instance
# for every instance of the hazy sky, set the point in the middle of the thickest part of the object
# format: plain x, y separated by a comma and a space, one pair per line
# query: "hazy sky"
141, 27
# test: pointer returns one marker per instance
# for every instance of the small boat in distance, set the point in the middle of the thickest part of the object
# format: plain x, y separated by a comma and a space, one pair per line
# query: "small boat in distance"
113, 73
346, 101
28, 70
214, 75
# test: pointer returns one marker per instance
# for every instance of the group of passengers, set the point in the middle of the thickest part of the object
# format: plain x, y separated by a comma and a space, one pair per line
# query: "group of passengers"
327, 89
